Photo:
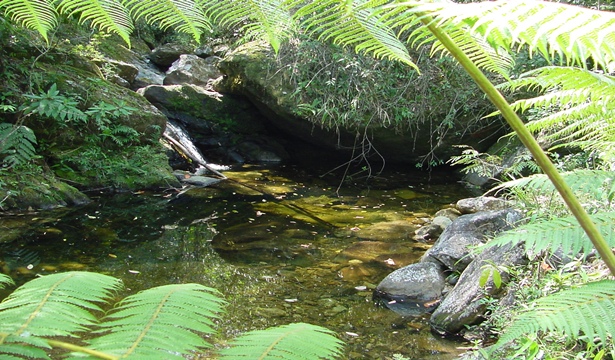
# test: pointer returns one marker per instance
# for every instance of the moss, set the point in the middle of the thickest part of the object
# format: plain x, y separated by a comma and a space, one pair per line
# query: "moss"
31, 188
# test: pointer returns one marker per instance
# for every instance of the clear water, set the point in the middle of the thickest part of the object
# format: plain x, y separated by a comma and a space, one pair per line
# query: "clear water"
280, 244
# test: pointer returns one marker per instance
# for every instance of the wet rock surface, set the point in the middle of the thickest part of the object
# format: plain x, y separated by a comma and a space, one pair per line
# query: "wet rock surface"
412, 290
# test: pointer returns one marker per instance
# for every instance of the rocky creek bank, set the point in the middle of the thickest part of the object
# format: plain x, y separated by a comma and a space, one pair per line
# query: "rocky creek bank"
446, 281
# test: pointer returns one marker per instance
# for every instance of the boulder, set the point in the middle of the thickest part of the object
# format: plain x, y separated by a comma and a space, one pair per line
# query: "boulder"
253, 71
453, 248
462, 305
167, 54
412, 290
191, 69
481, 203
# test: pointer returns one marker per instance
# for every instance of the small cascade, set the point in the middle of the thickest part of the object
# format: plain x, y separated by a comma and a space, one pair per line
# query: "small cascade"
180, 141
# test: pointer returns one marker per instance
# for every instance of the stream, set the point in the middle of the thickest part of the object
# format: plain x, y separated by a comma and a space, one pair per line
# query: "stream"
281, 244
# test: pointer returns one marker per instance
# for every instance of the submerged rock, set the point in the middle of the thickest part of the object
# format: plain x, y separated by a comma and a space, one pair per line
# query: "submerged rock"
412, 290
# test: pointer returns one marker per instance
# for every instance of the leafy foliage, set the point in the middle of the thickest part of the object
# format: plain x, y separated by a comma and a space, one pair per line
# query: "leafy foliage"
353, 23
164, 322
17, 144
587, 309
51, 104
5, 280
142, 323
284, 342
181, 15
33, 14
557, 234
578, 107
253, 18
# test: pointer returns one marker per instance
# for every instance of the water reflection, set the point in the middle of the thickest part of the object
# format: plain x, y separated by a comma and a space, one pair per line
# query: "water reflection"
279, 244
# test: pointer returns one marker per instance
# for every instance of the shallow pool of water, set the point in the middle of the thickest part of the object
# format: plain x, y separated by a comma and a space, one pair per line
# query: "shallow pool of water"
281, 244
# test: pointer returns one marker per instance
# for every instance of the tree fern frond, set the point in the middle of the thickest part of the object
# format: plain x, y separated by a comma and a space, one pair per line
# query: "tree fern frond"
55, 305
160, 323
255, 18
14, 347
405, 18
108, 15
39, 15
5, 280
181, 15
587, 309
555, 234
353, 23
597, 184
295, 341
588, 33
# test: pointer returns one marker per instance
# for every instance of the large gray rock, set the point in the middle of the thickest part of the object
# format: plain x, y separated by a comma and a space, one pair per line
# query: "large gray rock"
412, 290
462, 305
253, 71
191, 69
481, 203
167, 54
453, 248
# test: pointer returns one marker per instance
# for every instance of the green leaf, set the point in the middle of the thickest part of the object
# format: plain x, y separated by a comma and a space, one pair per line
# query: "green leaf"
181, 15
164, 322
557, 234
107, 15
5, 279
586, 310
267, 19
39, 15
56, 305
297, 341
353, 23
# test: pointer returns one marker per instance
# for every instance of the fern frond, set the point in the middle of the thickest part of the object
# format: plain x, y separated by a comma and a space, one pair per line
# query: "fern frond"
587, 309
182, 15
160, 323
56, 305
107, 15
256, 18
17, 144
596, 184
406, 19
297, 341
353, 23
557, 234
588, 33
5, 280
39, 15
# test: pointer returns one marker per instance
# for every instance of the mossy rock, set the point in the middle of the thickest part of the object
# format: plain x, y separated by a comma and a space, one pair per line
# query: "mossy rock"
130, 168
35, 190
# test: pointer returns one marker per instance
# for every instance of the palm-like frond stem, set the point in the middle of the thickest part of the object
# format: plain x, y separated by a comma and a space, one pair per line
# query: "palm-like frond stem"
39, 15
588, 310
182, 15
108, 15
142, 325
297, 341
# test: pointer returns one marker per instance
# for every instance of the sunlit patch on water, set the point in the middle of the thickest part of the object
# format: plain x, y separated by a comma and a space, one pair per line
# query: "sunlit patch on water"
278, 243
